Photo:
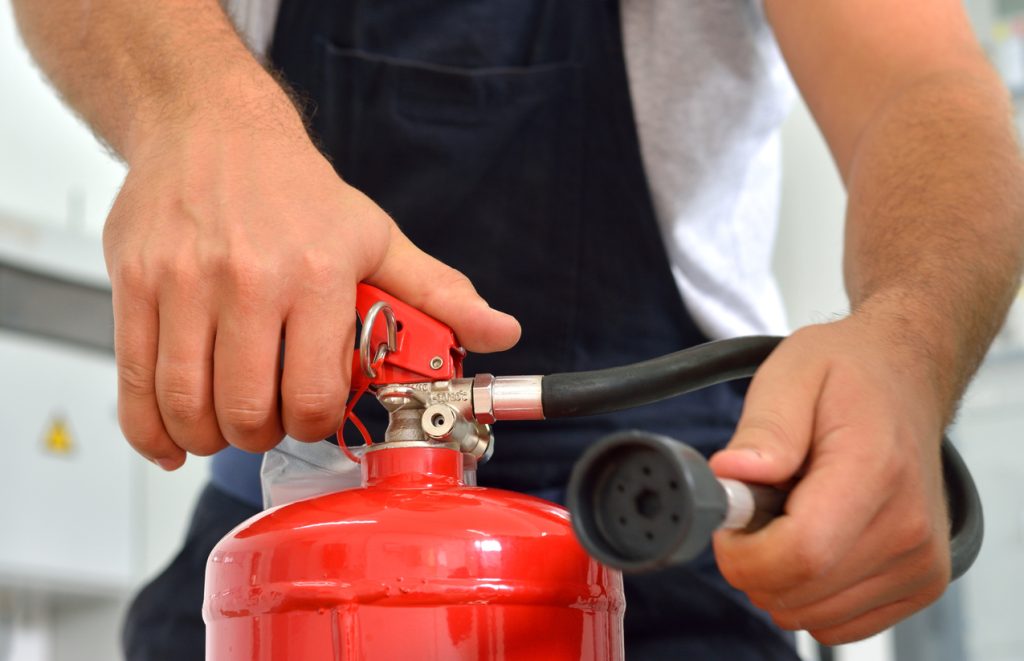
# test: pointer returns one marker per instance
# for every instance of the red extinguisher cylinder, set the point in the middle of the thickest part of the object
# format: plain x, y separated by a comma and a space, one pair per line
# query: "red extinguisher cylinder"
413, 565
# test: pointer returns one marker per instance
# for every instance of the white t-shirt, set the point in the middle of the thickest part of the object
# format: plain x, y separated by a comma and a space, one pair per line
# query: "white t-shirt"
710, 91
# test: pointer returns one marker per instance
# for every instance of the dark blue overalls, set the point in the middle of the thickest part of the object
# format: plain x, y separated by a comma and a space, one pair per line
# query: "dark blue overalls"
500, 136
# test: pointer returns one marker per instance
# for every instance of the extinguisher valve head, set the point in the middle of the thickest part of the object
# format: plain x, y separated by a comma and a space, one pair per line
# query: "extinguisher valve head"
434, 414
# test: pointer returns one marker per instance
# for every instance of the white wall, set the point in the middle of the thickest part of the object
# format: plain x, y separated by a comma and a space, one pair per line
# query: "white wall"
51, 169
808, 250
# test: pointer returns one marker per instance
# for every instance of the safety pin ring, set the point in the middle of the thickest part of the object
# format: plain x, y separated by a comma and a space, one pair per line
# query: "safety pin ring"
365, 338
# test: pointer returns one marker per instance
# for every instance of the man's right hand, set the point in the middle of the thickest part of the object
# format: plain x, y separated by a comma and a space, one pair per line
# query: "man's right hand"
230, 235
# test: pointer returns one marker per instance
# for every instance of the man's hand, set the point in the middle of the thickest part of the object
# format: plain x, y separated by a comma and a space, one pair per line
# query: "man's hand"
227, 238
919, 127
231, 235
849, 414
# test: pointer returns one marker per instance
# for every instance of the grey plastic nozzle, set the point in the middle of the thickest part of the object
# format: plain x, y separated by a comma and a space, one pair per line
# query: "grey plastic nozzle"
641, 501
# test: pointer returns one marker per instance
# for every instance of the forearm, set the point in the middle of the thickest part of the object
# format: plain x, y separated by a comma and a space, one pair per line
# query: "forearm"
134, 70
935, 222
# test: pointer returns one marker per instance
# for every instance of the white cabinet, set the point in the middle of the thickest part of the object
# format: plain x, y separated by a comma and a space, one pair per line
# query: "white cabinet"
66, 474
68, 480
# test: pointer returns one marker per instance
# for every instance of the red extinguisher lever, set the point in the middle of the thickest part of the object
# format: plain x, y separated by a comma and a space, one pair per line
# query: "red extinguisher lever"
400, 344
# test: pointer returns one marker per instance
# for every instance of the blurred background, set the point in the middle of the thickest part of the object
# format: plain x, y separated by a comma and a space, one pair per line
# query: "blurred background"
84, 521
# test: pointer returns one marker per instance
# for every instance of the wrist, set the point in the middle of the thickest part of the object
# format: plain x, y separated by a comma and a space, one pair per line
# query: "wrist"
235, 95
918, 340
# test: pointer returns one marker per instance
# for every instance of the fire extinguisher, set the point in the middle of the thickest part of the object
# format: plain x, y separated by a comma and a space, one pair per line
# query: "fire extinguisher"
419, 563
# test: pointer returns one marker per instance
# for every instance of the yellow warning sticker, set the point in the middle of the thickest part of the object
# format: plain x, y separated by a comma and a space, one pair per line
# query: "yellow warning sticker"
58, 438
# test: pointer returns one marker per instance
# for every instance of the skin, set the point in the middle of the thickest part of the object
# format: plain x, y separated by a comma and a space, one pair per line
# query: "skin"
231, 231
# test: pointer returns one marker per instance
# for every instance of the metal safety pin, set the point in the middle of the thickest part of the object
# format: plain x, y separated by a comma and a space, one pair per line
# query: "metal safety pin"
366, 335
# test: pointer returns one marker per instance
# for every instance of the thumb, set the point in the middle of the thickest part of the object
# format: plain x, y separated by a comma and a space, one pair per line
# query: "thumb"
447, 295
774, 433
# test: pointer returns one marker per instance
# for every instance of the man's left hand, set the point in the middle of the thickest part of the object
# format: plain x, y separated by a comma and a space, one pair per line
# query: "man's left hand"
848, 415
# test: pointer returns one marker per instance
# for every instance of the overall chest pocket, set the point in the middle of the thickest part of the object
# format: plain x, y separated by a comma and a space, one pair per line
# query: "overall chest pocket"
479, 166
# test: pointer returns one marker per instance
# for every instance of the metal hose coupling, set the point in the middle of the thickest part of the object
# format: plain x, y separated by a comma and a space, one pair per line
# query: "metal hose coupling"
507, 398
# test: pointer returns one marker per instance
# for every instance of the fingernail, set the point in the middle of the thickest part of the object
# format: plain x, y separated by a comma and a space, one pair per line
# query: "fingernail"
751, 451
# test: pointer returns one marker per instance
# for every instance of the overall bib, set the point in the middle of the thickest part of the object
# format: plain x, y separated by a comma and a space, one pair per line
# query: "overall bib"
499, 135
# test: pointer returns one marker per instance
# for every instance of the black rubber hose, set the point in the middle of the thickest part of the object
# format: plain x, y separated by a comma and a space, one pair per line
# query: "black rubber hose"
966, 517
617, 388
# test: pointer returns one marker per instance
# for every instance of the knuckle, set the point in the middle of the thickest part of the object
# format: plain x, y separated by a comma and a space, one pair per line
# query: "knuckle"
772, 424
455, 279
130, 274
811, 560
319, 267
932, 591
243, 273
893, 464
935, 570
258, 442
915, 532
212, 260
145, 439
316, 408
201, 440
135, 379
447, 283
183, 274
887, 472
244, 415
144, 443
182, 403
210, 445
